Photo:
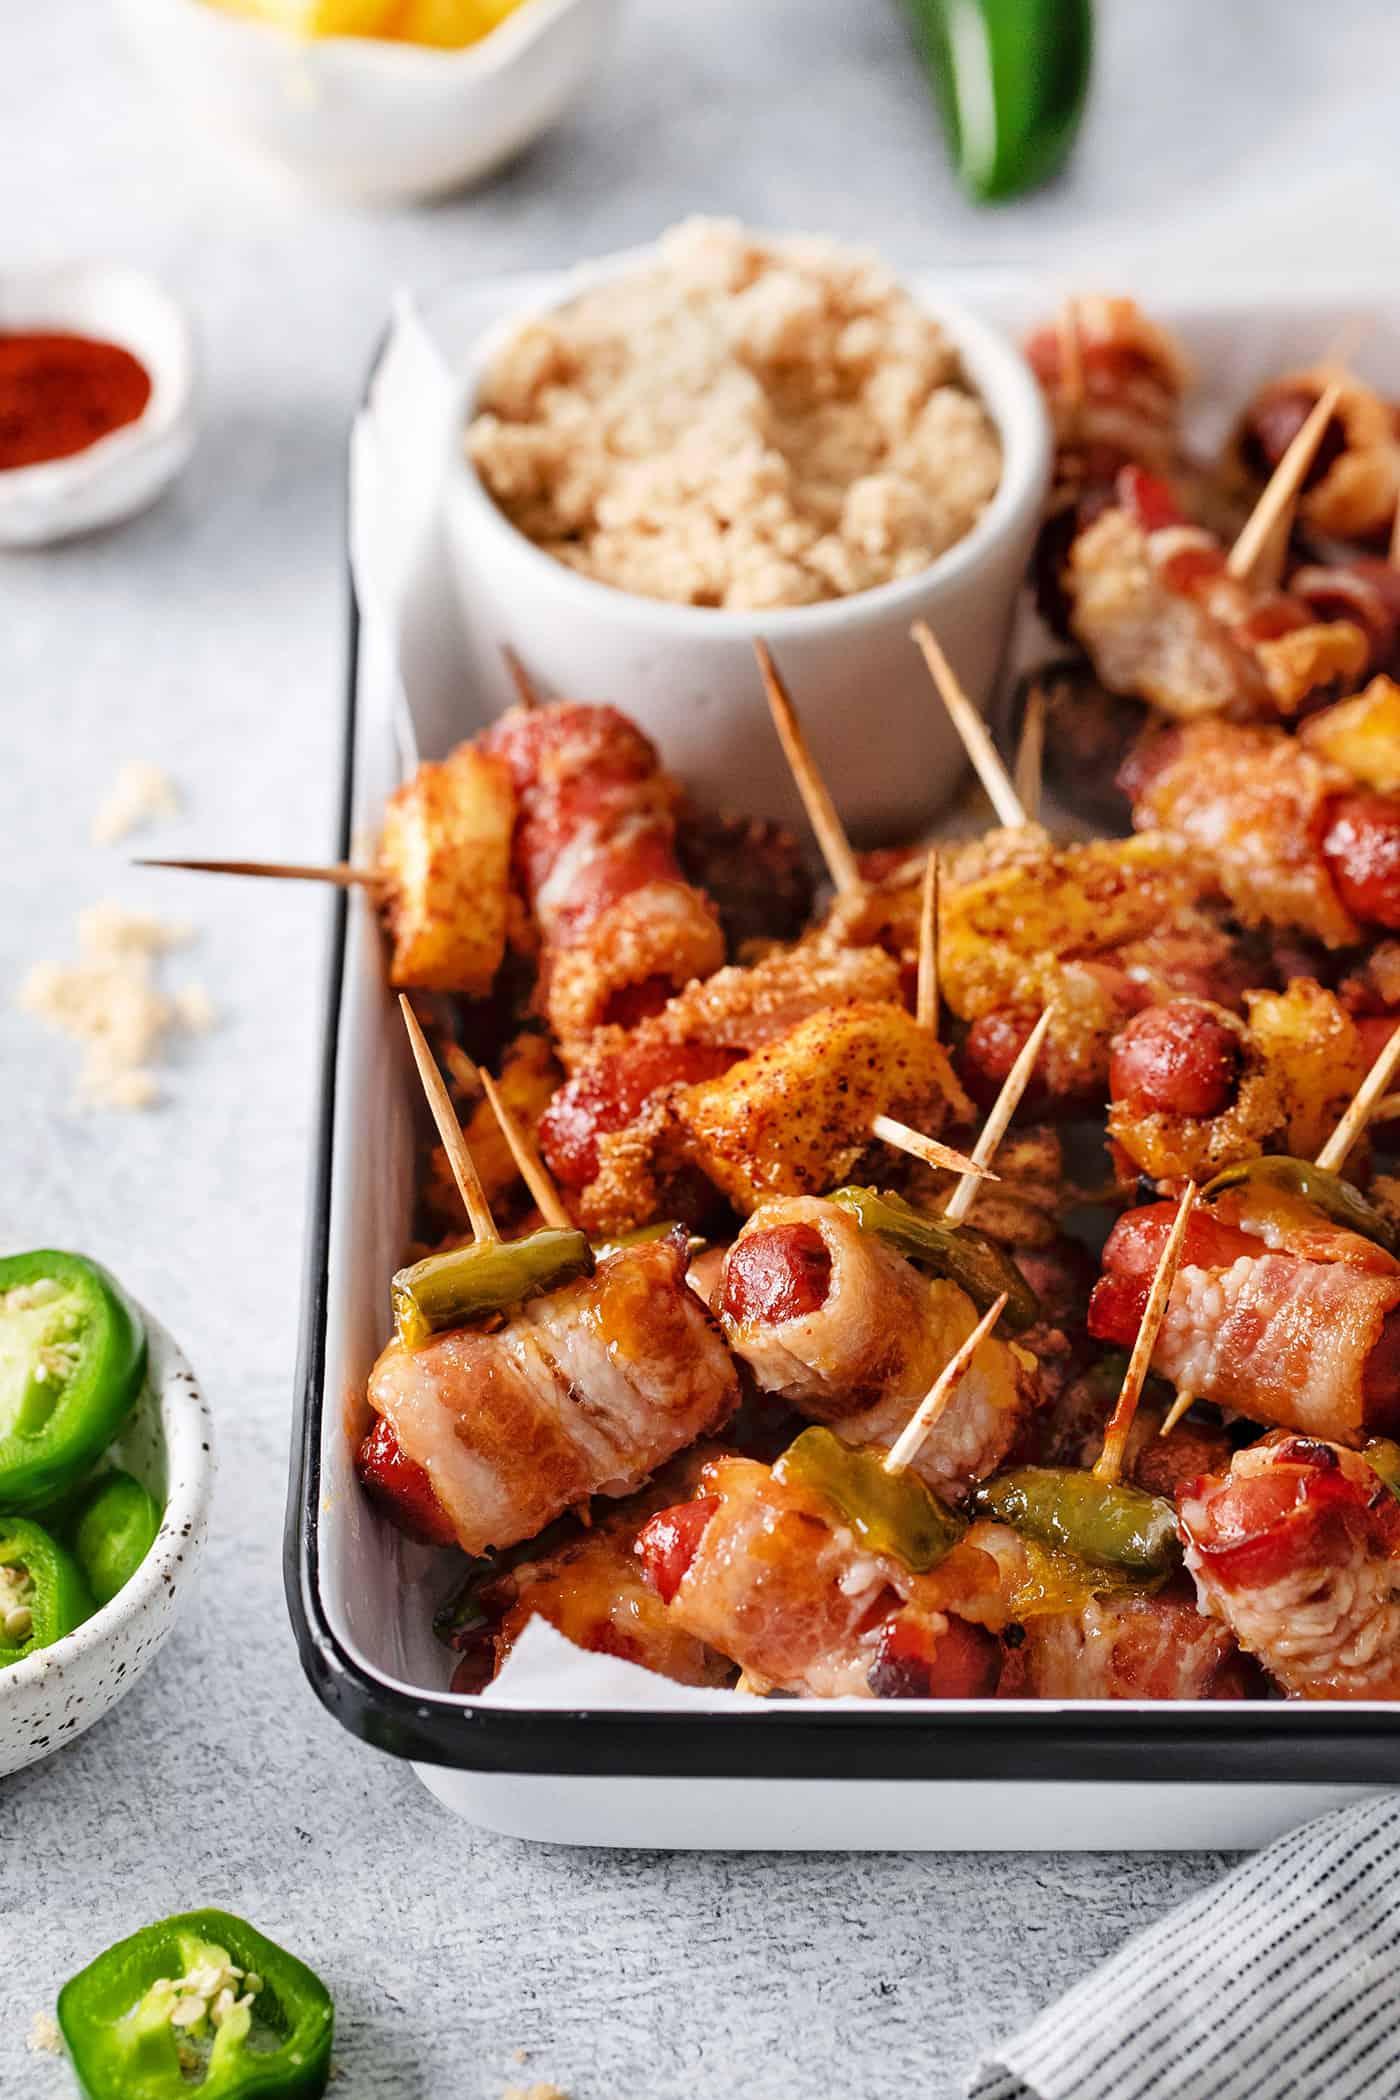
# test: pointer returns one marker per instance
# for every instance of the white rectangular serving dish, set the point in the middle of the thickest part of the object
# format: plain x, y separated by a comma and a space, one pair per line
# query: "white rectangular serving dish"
737, 1773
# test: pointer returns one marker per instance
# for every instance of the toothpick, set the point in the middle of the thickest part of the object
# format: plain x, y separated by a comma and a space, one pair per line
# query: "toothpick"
1334, 1153
816, 797
971, 728
1071, 344
338, 872
522, 1150
1395, 538
1182, 1403
525, 691
994, 1129
1030, 752
1284, 483
905, 1139
936, 1400
926, 999
458, 1152
1120, 1422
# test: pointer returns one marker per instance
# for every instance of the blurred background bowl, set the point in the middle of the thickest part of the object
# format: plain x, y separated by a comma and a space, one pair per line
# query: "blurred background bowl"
53, 1695
363, 119
127, 469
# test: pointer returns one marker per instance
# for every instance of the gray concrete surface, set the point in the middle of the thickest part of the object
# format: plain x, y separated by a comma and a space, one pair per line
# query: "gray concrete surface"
208, 634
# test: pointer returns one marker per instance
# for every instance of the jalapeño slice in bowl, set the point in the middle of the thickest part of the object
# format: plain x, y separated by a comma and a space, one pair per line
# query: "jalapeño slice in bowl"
490, 1276
114, 1533
1095, 1520
201, 2003
960, 1253
72, 1357
892, 1513
43, 1593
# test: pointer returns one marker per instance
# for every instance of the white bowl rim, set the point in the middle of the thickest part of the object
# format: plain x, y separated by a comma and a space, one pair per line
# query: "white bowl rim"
189, 1461
64, 480
1000, 376
490, 54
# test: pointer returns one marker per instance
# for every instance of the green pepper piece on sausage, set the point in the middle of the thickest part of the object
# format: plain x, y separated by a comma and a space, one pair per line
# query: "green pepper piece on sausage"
960, 1252
200, 2003
72, 1358
1011, 78
1335, 1198
1096, 1520
114, 1533
893, 1513
42, 1591
490, 1276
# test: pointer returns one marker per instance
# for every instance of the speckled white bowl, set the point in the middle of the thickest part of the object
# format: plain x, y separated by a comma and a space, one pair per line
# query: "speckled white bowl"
126, 470
53, 1695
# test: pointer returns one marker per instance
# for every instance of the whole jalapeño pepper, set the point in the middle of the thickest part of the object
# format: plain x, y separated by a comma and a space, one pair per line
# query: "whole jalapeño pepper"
1011, 78
43, 1594
72, 1358
200, 2003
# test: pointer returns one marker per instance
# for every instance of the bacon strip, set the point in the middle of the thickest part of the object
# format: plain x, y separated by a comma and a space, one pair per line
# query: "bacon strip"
860, 1347
595, 853
585, 1391
1304, 1340
1296, 1548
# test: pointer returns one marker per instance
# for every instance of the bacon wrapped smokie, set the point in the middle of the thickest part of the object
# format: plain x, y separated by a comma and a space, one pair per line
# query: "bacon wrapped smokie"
1291, 839
1276, 1311
763, 1569
1194, 1089
850, 1333
1162, 619
1349, 492
595, 853
582, 1392
1296, 1548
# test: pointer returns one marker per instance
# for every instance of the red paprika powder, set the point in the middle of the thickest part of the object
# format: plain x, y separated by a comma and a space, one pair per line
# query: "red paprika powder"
61, 393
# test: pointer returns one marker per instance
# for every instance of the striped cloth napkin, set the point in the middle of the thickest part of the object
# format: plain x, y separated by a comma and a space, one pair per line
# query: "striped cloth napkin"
1280, 1983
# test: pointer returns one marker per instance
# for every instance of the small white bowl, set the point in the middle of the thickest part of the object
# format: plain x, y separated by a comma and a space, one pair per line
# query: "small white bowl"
687, 674
53, 1695
126, 470
366, 120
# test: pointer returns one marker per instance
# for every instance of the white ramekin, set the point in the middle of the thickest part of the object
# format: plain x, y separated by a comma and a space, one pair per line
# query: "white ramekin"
687, 673
53, 1695
127, 469
363, 119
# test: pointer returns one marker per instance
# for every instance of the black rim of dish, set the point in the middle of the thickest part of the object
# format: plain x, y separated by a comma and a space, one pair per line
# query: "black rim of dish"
1229, 1742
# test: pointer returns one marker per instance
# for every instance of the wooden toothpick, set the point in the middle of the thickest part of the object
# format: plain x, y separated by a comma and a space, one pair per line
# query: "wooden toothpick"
458, 1151
526, 692
971, 728
1030, 752
1278, 498
906, 1139
994, 1129
1364, 1102
1180, 1406
338, 872
816, 797
1395, 538
1120, 1422
1071, 342
532, 1168
911, 1437
926, 999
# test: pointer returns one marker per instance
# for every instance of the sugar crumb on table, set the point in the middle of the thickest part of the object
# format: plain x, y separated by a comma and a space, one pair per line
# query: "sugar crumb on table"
140, 793
111, 1002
